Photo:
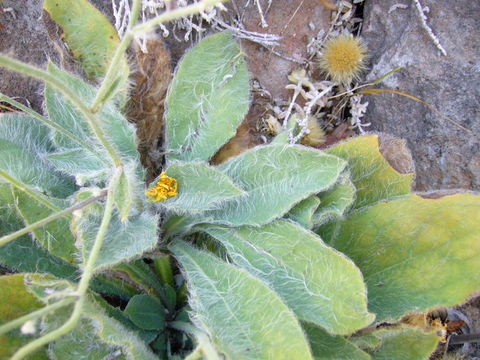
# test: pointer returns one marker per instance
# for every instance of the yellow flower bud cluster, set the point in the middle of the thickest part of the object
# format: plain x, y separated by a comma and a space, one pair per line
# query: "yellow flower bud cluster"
165, 187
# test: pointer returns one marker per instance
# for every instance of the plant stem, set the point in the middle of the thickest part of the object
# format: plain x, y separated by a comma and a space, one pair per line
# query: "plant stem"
34, 315
51, 336
81, 290
53, 125
27, 190
134, 14
175, 14
48, 78
7, 238
111, 75
112, 71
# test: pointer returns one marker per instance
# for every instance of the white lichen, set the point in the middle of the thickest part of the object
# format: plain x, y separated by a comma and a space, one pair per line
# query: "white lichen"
423, 19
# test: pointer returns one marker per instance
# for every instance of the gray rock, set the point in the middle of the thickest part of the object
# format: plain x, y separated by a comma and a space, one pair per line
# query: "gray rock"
445, 155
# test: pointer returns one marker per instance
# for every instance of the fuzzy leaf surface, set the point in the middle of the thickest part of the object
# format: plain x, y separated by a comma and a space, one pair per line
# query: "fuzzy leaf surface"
88, 33
200, 187
55, 236
404, 343
24, 254
22, 143
327, 347
275, 178
82, 344
207, 100
101, 334
65, 114
414, 252
122, 195
75, 162
371, 174
335, 202
16, 301
304, 271
243, 317
122, 242
304, 210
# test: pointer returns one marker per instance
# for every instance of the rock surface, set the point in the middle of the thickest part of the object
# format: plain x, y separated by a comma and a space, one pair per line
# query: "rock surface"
297, 22
445, 155
24, 37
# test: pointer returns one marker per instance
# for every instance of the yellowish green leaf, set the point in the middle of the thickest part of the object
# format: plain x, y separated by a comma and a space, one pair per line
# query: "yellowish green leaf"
415, 253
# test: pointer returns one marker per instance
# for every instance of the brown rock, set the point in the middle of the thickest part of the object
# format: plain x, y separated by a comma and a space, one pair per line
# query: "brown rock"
297, 22
24, 37
446, 156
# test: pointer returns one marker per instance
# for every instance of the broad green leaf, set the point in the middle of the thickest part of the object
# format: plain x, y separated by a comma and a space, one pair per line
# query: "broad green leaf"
146, 312
207, 100
16, 301
415, 253
243, 317
112, 332
74, 345
122, 194
96, 329
22, 143
371, 174
87, 32
122, 317
302, 213
122, 242
318, 283
24, 254
65, 114
200, 187
327, 347
404, 343
275, 177
335, 202
76, 162
25, 132
55, 236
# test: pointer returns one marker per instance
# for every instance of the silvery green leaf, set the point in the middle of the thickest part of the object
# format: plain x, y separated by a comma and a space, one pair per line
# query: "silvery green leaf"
207, 100
244, 318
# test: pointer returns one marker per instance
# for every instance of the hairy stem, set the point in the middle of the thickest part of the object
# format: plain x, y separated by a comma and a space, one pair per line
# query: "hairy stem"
174, 14
81, 290
7, 238
112, 71
34, 315
48, 78
51, 124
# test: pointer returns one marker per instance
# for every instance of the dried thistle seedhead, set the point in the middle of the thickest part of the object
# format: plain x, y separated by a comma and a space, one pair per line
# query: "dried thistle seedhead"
343, 58
315, 135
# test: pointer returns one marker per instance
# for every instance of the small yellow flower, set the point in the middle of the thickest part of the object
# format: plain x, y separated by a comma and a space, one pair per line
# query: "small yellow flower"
165, 186
343, 58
